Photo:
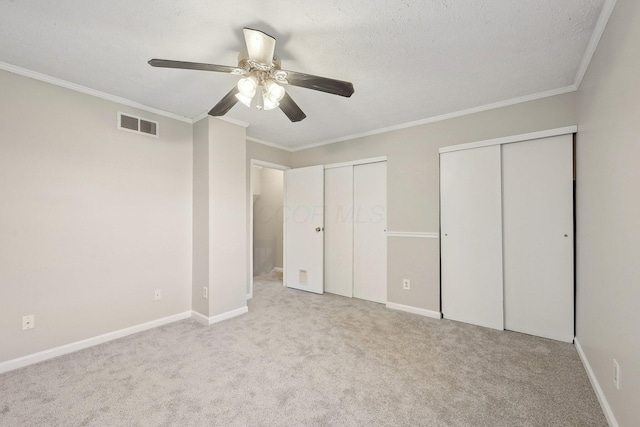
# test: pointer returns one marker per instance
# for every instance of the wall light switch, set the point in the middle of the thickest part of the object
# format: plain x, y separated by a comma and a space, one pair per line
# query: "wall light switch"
205, 292
157, 295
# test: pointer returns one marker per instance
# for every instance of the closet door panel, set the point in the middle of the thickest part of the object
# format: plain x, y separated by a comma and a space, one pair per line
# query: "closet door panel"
304, 221
369, 232
338, 235
471, 236
538, 237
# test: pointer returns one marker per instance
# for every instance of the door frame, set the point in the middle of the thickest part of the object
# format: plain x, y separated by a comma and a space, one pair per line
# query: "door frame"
268, 165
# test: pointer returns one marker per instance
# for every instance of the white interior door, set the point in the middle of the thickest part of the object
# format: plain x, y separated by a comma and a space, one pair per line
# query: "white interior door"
304, 222
338, 231
369, 232
538, 237
471, 236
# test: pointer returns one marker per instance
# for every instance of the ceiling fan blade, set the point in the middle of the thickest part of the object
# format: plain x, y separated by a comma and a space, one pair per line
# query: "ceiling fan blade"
291, 109
323, 84
260, 46
167, 63
225, 104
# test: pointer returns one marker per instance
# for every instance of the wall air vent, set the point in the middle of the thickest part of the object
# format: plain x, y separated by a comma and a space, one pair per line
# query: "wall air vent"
137, 124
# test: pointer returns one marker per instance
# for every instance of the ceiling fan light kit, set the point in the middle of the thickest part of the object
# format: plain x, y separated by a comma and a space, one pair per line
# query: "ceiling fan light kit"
261, 85
269, 92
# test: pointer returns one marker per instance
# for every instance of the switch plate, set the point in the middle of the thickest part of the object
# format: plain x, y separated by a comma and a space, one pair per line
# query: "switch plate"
28, 322
205, 292
406, 284
157, 295
616, 374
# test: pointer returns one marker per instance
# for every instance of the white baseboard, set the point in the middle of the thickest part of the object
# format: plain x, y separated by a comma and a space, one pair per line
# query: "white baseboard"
415, 310
200, 318
608, 413
41, 356
219, 317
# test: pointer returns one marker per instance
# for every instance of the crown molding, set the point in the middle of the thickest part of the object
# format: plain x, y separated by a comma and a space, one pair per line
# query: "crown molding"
88, 91
481, 108
270, 144
605, 14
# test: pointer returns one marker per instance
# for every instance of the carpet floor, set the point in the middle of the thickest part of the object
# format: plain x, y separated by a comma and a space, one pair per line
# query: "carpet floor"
300, 359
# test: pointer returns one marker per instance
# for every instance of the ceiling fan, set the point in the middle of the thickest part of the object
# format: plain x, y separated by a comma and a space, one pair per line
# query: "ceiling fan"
262, 76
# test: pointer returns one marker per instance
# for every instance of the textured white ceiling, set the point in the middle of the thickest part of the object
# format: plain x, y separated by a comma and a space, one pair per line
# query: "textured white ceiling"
408, 59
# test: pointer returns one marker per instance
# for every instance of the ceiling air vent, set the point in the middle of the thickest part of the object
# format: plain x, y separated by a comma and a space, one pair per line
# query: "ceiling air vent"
137, 124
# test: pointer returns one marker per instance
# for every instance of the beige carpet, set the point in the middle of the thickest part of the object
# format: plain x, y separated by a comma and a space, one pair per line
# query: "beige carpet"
300, 359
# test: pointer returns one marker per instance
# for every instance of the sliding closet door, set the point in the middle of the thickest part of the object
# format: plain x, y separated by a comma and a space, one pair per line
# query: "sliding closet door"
538, 237
369, 232
338, 231
471, 236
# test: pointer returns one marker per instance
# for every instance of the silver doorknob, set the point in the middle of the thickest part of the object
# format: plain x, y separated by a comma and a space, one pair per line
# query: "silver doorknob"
318, 229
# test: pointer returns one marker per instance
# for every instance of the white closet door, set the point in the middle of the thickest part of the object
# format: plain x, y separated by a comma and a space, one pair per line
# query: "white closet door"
369, 232
338, 231
538, 237
471, 242
304, 221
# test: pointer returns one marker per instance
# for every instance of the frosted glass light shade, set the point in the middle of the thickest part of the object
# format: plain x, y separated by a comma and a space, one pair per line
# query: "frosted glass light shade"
246, 100
247, 86
273, 91
268, 104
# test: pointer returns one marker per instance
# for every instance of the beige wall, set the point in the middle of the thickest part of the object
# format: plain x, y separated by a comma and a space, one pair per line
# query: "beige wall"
267, 221
267, 153
227, 217
608, 212
200, 262
92, 219
412, 183
219, 222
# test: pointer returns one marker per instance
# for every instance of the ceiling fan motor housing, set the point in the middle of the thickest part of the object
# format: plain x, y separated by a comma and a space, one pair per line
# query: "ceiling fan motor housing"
262, 72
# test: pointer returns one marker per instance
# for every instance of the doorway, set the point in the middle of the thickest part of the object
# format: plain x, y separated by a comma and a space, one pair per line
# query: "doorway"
266, 220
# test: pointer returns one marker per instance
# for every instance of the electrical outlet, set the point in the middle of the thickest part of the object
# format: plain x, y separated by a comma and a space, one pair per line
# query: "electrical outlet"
157, 295
406, 284
205, 292
616, 374
28, 322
